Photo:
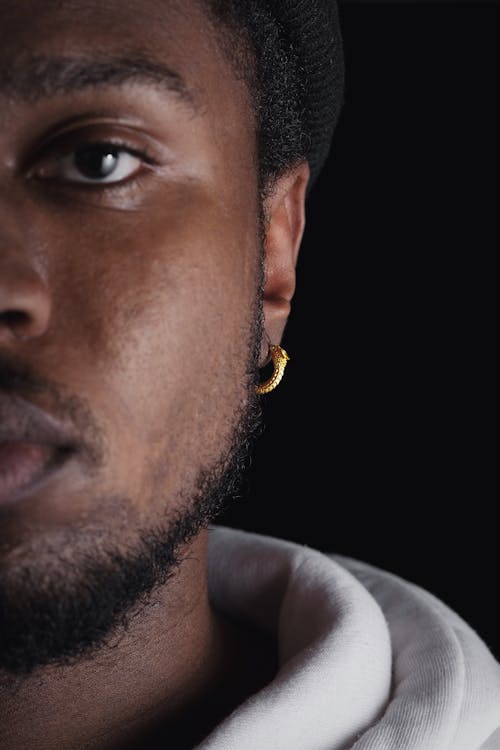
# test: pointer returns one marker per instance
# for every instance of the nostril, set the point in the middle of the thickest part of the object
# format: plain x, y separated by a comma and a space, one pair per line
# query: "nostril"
25, 302
16, 321
14, 317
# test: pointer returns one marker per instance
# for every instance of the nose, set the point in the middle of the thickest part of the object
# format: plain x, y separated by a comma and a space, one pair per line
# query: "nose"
24, 300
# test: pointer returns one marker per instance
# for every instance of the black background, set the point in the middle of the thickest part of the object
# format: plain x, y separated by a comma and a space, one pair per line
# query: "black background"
381, 442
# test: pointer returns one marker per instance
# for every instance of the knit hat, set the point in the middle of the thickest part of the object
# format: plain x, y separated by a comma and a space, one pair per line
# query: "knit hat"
311, 31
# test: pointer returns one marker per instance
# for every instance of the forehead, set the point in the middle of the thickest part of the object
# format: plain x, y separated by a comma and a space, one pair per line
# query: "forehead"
151, 23
169, 36
153, 20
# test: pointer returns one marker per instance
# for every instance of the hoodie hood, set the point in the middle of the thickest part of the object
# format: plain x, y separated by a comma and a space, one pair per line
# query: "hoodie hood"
367, 660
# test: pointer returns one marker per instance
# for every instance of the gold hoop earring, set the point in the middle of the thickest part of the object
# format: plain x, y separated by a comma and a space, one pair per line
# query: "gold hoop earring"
280, 360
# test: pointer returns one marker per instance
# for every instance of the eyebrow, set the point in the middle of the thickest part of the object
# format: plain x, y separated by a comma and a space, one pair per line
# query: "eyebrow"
39, 77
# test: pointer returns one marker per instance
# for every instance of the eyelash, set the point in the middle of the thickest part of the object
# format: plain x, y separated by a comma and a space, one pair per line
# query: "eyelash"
120, 146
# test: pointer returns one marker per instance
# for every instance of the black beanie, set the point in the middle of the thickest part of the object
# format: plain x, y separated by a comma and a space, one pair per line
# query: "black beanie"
311, 31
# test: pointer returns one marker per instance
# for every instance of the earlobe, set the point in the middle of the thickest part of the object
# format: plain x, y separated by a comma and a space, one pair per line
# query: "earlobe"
285, 223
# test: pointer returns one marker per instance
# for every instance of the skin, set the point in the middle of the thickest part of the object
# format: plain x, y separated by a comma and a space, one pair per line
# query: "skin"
138, 305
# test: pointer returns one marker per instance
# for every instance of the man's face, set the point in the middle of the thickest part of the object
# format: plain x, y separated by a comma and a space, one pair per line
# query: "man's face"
129, 225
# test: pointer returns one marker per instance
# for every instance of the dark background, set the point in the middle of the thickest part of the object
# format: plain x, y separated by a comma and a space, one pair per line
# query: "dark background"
381, 442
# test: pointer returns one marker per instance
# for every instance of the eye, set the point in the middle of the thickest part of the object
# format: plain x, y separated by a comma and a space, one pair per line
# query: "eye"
94, 163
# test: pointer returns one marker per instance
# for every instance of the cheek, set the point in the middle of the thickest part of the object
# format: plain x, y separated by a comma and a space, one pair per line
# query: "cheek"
165, 321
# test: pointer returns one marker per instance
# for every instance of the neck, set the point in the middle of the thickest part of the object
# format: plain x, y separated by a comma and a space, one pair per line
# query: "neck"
165, 662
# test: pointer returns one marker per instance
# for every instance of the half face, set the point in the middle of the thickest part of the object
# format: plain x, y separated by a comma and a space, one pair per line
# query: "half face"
129, 262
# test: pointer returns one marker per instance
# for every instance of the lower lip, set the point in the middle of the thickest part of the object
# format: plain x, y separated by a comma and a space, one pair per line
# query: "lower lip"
23, 466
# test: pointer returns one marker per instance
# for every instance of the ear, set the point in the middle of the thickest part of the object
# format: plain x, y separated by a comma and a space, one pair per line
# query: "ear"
285, 223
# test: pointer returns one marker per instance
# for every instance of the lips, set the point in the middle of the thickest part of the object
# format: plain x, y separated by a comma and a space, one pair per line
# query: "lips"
33, 446
24, 465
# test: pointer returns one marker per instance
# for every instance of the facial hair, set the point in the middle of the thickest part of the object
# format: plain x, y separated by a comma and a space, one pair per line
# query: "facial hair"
65, 601
72, 612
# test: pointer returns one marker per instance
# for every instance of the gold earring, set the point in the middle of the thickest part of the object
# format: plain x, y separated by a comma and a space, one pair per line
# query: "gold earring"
280, 359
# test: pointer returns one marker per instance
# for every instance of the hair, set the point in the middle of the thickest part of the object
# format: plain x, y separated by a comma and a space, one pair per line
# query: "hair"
294, 72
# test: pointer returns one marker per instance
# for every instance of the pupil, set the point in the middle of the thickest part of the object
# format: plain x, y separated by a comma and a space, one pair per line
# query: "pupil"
96, 161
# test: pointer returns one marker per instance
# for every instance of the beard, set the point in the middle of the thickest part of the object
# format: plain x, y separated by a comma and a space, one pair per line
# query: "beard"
65, 600
62, 601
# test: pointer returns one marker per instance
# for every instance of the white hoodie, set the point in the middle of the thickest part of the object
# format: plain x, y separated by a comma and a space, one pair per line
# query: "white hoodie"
367, 660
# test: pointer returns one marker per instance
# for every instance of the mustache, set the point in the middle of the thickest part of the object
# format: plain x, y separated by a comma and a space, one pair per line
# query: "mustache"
69, 423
